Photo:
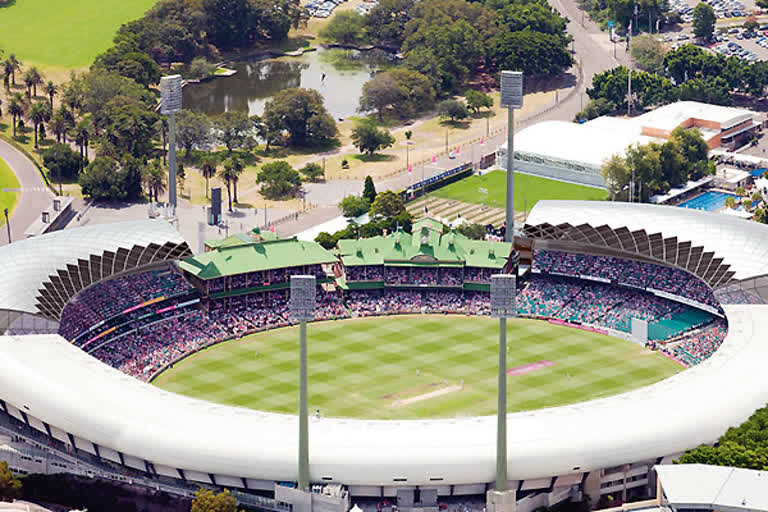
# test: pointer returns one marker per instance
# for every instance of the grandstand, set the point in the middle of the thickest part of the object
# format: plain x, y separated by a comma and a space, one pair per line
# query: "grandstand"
133, 297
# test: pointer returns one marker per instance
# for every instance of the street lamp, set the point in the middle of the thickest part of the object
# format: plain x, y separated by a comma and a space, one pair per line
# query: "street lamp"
303, 309
511, 98
8, 224
170, 104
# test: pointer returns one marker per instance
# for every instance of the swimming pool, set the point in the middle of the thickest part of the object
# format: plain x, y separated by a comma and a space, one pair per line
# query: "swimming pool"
708, 201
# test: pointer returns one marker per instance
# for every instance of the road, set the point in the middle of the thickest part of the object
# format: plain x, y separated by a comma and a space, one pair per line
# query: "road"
35, 196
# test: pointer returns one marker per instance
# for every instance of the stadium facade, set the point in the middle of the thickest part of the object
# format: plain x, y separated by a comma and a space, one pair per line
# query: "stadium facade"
52, 388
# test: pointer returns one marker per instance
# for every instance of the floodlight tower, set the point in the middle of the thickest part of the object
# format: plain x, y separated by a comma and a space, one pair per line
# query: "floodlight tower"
170, 104
511, 99
303, 309
503, 289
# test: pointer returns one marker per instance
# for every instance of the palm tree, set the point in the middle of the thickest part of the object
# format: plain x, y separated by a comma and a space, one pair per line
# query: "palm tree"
51, 90
154, 179
237, 170
68, 118
28, 78
38, 113
208, 170
8, 70
15, 65
227, 175
80, 134
58, 126
37, 79
16, 110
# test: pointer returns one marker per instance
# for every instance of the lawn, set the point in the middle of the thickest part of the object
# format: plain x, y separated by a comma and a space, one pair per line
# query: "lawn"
371, 368
7, 199
58, 35
528, 190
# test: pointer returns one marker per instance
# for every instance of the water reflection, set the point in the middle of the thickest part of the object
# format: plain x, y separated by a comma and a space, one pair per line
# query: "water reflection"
338, 75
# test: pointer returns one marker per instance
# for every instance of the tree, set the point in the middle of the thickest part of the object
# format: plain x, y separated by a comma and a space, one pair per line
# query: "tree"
10, 486
14, 64
368, 138
234, 130
61, 161
129, 129
154, 179
312, 171
201, 68
386, 21
81, 134
208, 170
236, 170
649, 52
206, 500
703, 21
104, 178
533, 53
730, 202
751, 24
387, 204
455, 110
38, 113
477, 100
278, 180
16, 110
472, 231
354, 206
346, 28
617, 174
369, 190
34, 77
193, 130
301, 113
58, 126
227, 175
416, 93
51, 90
379, 93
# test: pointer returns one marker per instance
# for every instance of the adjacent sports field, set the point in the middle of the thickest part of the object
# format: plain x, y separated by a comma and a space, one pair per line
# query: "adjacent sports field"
7, 199
528, 190
412, 367
57, 34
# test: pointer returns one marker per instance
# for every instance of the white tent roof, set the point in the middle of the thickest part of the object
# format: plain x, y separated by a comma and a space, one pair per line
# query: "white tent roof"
714, 487
589, 143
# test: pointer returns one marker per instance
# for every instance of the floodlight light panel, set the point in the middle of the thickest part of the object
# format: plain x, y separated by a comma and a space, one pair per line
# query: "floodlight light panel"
303, 297
511, 89
503, 291
170, 94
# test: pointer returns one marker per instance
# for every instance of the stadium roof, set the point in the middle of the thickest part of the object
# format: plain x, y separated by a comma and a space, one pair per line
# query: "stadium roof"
238, 257
427, 244
53, 385
48, 270
699, 486
730, 248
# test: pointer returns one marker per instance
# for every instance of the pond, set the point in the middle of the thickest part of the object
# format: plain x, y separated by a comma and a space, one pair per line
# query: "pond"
337, 74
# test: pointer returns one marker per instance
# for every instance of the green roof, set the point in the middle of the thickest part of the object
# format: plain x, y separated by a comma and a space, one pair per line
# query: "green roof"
256, 235
427, 245
239, 258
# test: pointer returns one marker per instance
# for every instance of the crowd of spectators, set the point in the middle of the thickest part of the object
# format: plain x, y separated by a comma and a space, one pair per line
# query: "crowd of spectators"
625, 272
593, 303
109, 298
262, 278
699, 345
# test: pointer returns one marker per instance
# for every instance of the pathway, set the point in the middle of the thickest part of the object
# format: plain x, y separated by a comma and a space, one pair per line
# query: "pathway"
35, 196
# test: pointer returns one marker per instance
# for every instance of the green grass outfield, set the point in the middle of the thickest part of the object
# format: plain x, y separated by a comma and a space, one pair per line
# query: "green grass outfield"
528, 190
7, 199
361, 368
64, 34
